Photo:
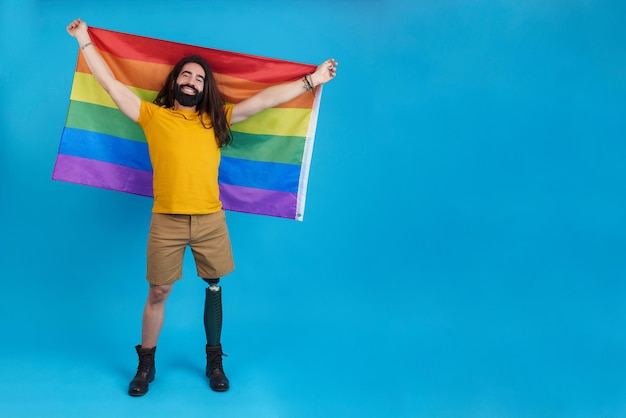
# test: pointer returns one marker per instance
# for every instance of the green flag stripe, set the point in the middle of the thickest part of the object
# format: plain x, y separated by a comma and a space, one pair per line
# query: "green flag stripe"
104, 120
110, 121
266, 148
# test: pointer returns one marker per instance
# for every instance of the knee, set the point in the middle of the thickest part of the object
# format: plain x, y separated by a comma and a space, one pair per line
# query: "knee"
213, 284
158, 294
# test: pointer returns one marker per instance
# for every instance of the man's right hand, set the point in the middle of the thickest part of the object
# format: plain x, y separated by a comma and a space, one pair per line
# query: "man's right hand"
77, 27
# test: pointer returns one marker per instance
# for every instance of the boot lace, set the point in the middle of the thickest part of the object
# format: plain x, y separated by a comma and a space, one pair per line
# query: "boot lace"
145, 362
215, 359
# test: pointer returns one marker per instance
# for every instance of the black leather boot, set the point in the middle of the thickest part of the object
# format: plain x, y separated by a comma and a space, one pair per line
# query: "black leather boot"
214, 371
145, 372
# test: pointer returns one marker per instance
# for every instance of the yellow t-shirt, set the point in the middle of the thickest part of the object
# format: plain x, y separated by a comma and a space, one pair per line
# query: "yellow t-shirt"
185, 159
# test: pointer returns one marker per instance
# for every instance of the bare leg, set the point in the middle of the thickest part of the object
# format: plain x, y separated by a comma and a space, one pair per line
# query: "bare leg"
153, 315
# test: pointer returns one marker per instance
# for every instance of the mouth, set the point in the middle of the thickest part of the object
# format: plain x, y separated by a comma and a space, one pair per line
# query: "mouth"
187, 89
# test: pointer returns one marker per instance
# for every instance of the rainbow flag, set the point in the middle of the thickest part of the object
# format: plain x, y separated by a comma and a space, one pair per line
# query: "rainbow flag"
265, 169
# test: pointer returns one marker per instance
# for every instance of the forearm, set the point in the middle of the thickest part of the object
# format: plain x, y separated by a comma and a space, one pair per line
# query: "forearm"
270, 97
281, 93
99, 68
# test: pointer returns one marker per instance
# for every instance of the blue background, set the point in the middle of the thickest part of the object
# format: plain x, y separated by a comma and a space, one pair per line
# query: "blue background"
462, 252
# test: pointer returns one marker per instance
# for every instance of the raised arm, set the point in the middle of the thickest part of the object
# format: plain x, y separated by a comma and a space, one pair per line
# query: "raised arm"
124, 98
281, 93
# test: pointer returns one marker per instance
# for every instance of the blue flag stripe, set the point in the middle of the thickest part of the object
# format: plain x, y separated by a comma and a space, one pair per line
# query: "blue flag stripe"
234, 171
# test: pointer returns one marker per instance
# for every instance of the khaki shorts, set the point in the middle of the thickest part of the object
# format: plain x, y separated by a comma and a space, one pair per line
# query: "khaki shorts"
207, 235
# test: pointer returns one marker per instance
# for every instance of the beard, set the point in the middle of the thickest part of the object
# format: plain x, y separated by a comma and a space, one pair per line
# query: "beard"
185, 99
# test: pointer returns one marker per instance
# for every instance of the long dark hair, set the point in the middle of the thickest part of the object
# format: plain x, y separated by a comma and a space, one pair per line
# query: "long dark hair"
212, 103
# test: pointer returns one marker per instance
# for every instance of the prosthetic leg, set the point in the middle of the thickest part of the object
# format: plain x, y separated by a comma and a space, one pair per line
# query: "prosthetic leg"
213, 328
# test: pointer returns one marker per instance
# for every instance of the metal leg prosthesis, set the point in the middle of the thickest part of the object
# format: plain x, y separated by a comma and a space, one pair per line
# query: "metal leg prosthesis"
213, 328
213, 313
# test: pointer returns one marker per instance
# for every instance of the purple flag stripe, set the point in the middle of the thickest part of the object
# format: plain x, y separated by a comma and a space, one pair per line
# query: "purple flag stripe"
100, 174
258, 201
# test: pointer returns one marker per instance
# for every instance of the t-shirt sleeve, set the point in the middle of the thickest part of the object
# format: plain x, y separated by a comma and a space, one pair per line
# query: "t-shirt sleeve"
146, 112
228, 109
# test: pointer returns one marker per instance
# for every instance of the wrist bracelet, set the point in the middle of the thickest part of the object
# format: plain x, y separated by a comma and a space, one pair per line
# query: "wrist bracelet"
86, 45
307, 84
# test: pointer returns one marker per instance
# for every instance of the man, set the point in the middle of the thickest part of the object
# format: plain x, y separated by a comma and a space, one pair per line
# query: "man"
185, 128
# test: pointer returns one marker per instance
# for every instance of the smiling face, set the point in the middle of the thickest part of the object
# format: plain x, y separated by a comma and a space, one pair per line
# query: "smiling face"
189, 86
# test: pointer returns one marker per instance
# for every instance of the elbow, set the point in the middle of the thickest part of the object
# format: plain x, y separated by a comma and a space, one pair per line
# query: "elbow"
107, 82
107, 85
